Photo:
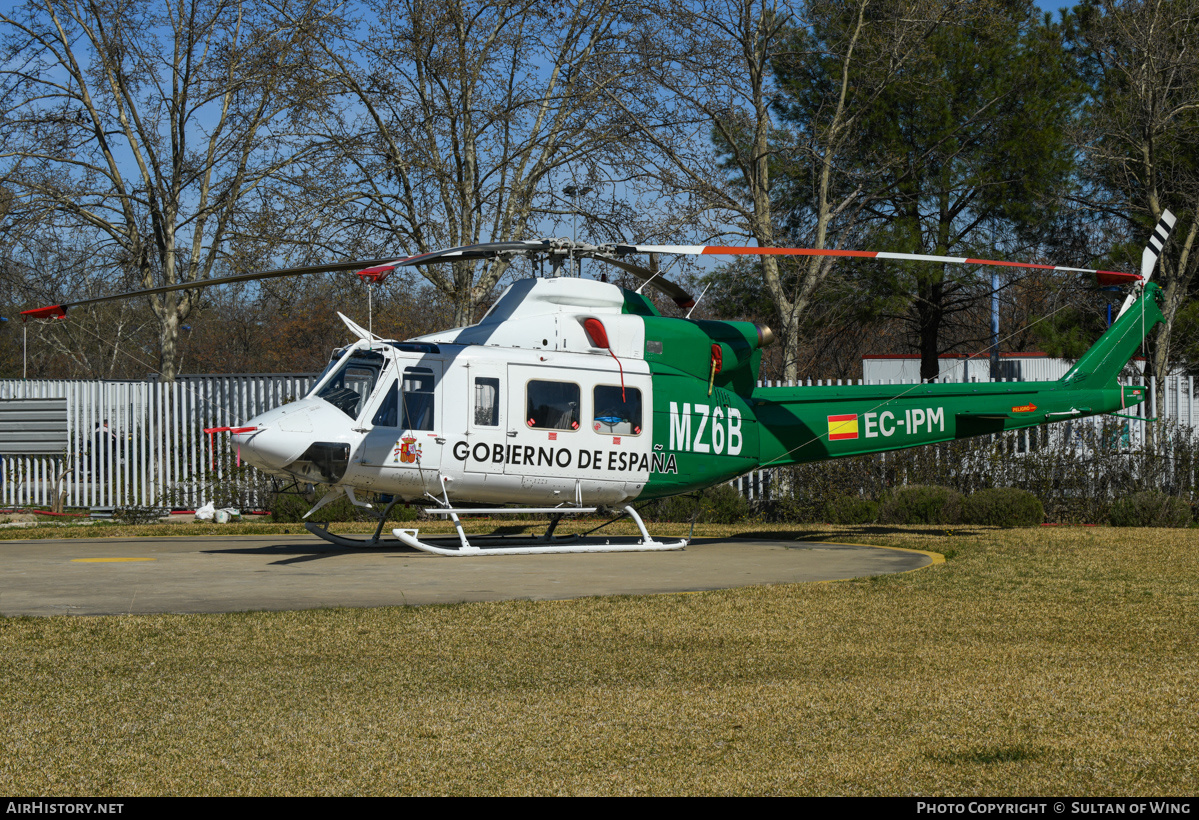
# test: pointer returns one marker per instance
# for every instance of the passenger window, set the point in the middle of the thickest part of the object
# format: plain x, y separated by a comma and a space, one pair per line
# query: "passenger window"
617, 410
388, 414
487, 402
417, 399
552, 405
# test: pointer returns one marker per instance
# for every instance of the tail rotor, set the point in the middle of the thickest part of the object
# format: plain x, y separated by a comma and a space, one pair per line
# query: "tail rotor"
1149, 257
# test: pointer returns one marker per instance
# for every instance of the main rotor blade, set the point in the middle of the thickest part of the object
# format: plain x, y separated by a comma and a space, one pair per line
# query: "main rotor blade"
1105, 277
332, 267
681, 297
489, 250
486, 250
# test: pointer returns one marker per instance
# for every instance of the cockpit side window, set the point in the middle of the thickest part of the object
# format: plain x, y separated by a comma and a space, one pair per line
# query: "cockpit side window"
388, 414
353, 382
487, 401
417, 399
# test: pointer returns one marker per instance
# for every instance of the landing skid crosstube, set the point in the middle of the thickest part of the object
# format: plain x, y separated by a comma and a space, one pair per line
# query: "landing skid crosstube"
547, 543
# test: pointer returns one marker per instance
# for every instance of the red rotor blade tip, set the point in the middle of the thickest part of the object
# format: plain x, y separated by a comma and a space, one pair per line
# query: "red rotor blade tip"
1111, 277
51, 312
376, 274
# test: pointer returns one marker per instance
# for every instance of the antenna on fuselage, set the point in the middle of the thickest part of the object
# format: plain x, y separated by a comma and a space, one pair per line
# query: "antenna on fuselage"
574, 192
370, 311
654, 271
697, 301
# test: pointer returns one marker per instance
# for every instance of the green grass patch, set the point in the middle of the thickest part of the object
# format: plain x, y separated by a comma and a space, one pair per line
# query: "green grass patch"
1039, 661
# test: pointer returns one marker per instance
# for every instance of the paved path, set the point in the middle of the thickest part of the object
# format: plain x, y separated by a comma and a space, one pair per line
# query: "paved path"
103, 576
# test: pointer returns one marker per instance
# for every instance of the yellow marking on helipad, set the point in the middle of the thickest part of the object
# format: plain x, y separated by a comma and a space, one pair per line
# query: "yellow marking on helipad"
107, 560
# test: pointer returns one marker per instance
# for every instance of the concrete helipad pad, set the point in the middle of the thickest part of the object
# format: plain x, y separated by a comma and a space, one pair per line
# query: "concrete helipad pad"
104, 576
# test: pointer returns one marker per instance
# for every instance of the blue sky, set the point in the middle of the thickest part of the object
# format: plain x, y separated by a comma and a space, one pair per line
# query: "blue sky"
1054, 5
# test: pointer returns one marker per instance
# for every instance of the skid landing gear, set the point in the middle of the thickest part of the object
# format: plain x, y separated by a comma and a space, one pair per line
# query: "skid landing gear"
547, 543
376, 540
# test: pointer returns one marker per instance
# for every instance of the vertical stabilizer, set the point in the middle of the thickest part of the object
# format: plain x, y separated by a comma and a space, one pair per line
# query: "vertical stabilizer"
1141, 311
1100, 365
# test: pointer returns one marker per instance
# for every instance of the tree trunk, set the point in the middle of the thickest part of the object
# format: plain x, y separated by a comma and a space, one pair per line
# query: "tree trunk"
464, 309
930, 310
168, 344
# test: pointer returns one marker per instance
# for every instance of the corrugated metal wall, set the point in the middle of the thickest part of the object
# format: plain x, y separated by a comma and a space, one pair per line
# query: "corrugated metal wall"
154, 452
33, 426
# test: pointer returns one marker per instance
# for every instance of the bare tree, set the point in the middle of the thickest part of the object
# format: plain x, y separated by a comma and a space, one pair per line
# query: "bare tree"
1142, 133
460, 121
103, 342
717, 66
146, 123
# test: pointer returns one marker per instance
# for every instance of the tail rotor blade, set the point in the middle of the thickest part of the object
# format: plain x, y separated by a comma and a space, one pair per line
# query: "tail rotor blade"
1152, 252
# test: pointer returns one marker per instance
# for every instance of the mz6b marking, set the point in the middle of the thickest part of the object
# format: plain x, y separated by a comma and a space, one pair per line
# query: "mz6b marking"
725, 428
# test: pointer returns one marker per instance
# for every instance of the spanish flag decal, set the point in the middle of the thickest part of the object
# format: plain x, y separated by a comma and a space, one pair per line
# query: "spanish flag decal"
842, 427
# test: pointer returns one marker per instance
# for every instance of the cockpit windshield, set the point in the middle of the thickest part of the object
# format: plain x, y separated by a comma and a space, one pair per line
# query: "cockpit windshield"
353, 381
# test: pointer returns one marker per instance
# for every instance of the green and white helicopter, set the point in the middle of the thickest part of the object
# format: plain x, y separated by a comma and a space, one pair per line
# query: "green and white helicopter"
572, 395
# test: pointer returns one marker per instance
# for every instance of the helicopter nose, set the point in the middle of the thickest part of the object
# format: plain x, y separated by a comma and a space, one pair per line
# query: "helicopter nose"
279, 436
268, 449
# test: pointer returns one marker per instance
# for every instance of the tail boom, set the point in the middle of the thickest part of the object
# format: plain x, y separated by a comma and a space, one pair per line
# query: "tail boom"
801, 424
858, 420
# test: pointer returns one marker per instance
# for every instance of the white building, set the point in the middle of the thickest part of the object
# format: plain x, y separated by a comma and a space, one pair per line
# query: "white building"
958, 367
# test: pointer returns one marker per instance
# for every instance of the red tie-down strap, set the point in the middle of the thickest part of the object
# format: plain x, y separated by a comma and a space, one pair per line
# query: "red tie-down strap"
212, 446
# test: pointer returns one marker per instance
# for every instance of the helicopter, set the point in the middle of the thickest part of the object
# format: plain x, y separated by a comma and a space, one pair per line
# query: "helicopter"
573, 395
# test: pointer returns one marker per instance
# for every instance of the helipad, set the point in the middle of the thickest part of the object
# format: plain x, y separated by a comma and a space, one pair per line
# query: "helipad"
105, 576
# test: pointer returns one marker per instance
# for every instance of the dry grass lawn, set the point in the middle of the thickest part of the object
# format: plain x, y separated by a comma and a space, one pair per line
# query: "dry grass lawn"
1048, 661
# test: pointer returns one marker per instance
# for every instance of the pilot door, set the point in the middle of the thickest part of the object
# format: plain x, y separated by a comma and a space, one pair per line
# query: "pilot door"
487, 435
401, 451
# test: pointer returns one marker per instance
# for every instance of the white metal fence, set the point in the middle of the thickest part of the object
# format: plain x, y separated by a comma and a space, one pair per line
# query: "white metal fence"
157, 453
154, 452
1180, 405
